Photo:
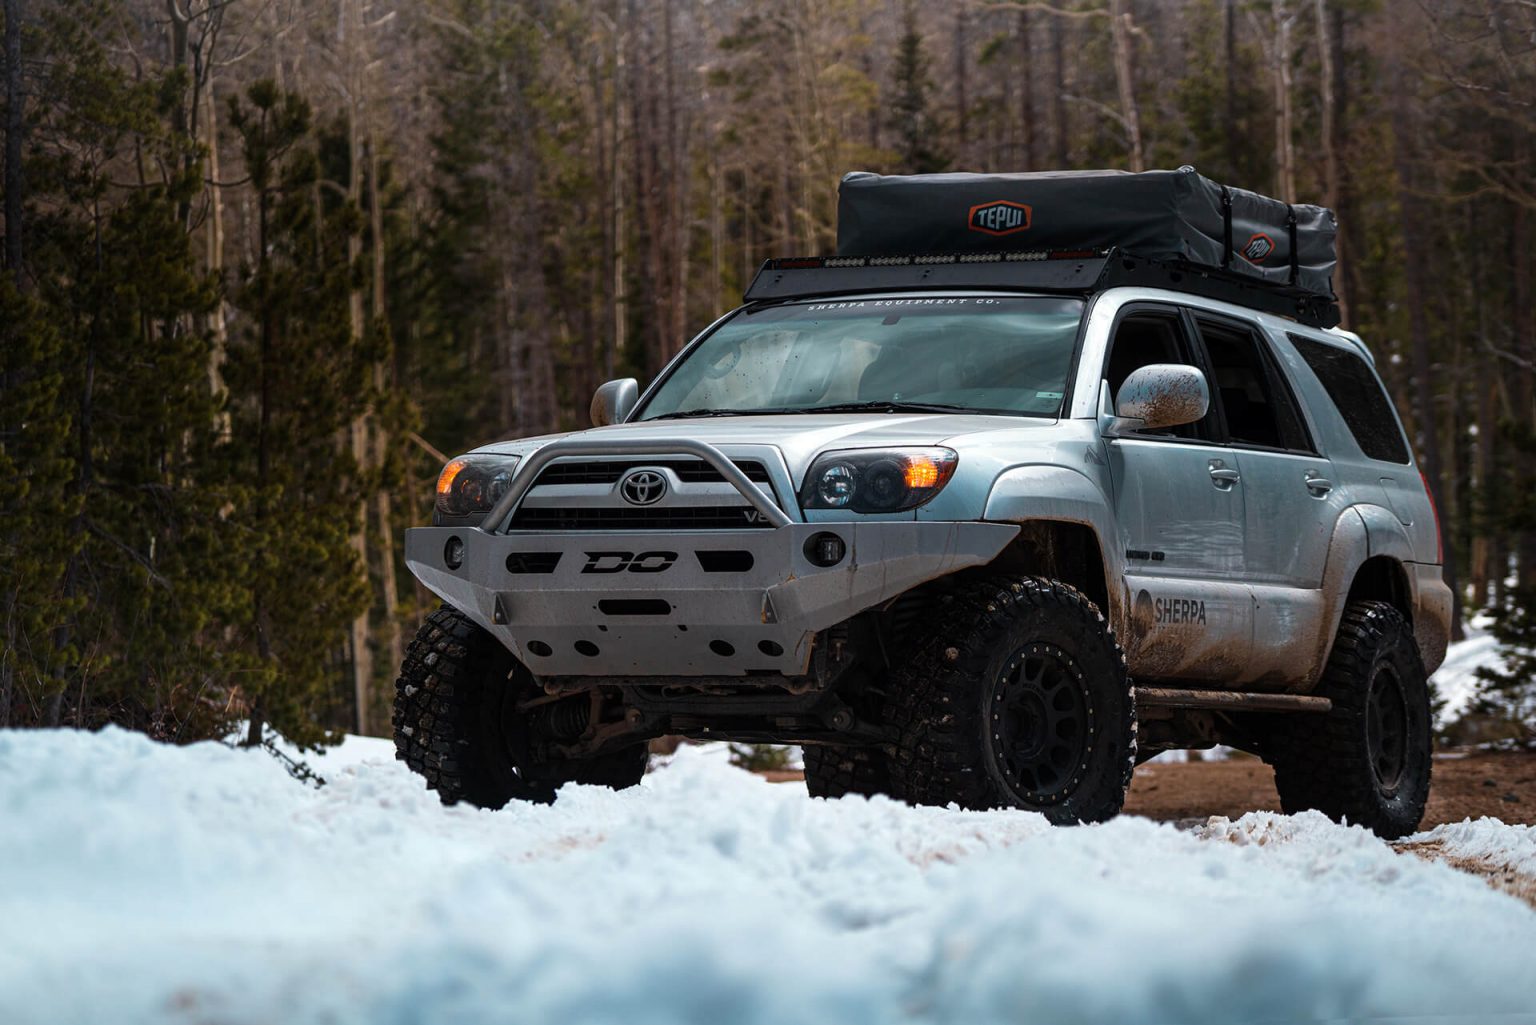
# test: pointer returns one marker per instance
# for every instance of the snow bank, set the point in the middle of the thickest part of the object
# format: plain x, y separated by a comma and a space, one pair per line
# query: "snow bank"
145, 883
1456, 680
1489, 841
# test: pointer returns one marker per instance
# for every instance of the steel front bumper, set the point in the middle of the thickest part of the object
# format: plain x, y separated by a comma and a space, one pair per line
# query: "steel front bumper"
648, 603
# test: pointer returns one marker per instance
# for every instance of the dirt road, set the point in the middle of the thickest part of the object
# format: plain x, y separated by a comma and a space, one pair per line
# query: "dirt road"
1465, 786
1501, 786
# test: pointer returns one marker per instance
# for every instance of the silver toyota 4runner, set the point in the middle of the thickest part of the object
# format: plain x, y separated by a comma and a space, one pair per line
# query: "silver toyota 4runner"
985, 533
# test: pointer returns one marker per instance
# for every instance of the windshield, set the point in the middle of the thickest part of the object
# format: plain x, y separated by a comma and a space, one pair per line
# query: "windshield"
969, 353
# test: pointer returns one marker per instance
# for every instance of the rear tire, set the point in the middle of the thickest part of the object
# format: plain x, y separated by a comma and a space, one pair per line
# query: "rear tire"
1018, 698
1366, 762
456, 722
834, 770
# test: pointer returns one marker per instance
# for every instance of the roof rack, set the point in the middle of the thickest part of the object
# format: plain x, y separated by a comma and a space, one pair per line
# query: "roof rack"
1065, 271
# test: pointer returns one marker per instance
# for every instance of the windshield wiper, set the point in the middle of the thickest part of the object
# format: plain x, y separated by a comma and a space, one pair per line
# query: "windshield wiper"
688, 413
878, 406
886, 406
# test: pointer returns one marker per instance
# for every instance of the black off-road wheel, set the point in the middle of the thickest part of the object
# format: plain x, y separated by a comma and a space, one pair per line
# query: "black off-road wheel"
834, 770
1018, 697
1367, 761
457, 722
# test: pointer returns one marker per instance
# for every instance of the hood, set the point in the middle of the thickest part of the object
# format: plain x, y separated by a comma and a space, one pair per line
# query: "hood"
800, 437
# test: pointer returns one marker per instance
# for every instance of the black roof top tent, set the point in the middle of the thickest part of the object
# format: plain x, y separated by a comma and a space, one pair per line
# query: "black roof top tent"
1071, 232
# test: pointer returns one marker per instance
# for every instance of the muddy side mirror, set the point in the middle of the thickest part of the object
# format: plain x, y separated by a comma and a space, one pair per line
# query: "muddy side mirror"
1161, 395
614, 401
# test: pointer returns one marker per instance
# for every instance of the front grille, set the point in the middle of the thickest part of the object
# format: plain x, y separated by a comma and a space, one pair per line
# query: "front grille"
731, 517
608, 471
599, 474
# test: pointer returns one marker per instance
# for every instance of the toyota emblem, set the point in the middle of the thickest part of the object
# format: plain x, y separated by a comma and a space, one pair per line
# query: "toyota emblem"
643, 487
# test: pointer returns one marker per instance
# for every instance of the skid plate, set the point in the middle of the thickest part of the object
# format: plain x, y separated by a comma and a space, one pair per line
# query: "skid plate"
698, 603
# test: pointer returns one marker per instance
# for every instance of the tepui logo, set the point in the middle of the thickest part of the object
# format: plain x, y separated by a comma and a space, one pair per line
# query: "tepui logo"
999, 217
1258, 248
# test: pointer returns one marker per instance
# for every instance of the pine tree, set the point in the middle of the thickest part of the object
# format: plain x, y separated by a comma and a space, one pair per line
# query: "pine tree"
1508, 692
916, 132
35, 504
297, 379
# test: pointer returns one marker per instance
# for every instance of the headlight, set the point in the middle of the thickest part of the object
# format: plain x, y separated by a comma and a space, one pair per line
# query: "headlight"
874, 480
469, 486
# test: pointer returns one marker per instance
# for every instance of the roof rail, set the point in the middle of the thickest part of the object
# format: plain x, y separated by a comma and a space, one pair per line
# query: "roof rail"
1066, 271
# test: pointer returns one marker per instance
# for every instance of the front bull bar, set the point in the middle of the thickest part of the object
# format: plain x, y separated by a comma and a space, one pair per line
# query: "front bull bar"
700, 603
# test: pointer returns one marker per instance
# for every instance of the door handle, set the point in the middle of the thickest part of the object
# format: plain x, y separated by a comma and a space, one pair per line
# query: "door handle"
1223, 476
1319, 486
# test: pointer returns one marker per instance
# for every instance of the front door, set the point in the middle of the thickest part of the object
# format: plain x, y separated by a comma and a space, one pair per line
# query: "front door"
1180, 505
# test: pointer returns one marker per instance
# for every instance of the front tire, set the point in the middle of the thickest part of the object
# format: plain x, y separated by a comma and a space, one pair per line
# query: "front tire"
835, 770
1367, 761
457, 724
1018, 698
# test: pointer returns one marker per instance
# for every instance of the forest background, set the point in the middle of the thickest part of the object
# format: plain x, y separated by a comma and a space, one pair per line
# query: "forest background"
267, 263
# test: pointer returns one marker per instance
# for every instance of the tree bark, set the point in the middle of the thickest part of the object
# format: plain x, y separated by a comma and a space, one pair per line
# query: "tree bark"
349, 31
962, 97
1331, 169
15, 139
1416, 259
1285, 151
389, 587
218, 323
1233, 138
1121, 28
1483, 571
1059, 93
1027, 92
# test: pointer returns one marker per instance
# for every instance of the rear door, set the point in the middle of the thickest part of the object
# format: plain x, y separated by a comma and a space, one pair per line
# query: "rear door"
1292, 500
1179, 504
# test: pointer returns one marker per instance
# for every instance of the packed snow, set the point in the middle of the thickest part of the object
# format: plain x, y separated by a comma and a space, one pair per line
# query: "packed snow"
148, 883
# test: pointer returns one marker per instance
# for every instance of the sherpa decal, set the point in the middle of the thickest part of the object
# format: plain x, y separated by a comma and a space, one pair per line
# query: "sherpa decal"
1258, 248
999, 217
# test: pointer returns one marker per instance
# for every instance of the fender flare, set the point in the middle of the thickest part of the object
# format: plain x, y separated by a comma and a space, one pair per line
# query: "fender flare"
1385, 533
1043, 491
1362, 532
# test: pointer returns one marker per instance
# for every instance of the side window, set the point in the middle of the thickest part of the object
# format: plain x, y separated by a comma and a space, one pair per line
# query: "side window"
1359, 397
1252, 392
1140, 339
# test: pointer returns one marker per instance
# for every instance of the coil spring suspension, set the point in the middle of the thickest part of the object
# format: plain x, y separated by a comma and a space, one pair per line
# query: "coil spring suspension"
565, 720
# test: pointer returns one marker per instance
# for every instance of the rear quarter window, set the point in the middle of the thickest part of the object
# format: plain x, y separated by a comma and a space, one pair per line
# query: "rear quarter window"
1359, 398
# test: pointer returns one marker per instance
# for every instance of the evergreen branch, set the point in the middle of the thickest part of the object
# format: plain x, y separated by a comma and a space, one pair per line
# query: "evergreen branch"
427, 447
154, 574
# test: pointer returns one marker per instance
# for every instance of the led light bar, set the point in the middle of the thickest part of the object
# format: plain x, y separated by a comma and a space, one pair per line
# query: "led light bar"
929, 259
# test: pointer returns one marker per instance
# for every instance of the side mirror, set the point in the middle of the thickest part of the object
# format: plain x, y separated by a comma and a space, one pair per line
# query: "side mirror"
614, 401
1161, 395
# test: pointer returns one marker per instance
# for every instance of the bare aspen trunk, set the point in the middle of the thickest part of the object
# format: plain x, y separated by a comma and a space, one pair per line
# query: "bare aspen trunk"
1483, 569
1331, 169
1121, 27
615, 344
265, 340
1059, 92
15, 264
1523, 309
1416, 259
1233, 137
1027, 92
1285, 152
389, 587
15, 137
962, 100
349, 31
